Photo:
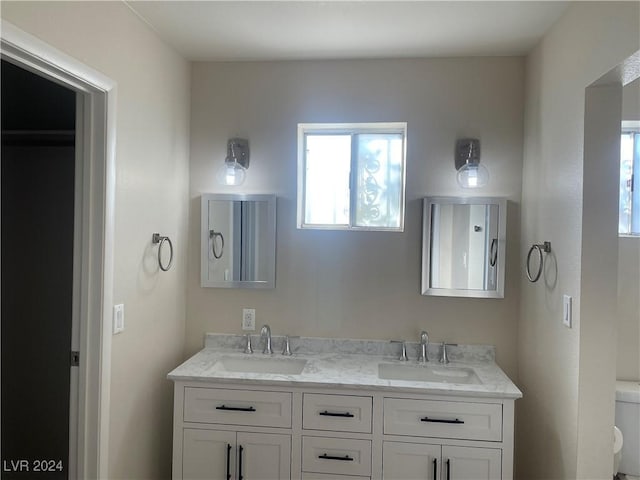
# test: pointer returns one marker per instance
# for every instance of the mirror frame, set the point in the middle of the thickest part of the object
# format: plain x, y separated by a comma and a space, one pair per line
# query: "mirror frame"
270, 240
426, 246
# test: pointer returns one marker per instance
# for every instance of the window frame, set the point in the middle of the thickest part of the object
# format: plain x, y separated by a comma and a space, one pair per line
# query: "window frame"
351, 129
634, 129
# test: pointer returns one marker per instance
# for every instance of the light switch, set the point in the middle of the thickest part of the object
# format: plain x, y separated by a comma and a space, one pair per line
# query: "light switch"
566, 311
118, 318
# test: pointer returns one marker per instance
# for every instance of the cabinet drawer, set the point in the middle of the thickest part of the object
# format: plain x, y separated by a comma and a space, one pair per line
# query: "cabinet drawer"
340, 413
237, 407
326, 476
336, 455
437, 418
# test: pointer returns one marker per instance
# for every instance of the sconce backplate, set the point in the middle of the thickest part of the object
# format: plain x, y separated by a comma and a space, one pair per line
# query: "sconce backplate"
467, 151
238, 148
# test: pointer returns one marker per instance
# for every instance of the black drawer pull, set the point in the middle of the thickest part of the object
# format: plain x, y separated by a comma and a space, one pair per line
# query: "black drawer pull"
336, 414
236, 409
440, 420
346, 458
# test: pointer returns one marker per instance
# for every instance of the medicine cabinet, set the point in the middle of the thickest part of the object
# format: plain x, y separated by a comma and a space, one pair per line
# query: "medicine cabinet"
238, 241
463, 246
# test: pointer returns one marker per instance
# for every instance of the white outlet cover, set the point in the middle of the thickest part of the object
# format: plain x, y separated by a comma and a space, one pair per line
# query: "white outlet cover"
566, 311
118, 318
248, 319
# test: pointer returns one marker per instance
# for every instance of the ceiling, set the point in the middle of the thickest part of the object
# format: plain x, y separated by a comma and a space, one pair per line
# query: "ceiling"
308, 29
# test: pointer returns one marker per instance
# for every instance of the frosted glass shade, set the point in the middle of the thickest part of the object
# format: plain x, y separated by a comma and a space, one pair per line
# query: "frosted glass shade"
231, 173
473, 175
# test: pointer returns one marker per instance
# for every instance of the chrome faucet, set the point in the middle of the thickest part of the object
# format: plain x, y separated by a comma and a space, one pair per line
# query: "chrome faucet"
403, 350
265, 334
248, 348
424, 343
444, 357
286, 346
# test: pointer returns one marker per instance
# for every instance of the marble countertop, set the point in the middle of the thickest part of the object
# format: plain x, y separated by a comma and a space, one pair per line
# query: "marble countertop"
328, 366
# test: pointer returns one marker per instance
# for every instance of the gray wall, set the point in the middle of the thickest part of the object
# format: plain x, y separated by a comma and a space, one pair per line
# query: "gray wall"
587, 41
358, 284
152, 164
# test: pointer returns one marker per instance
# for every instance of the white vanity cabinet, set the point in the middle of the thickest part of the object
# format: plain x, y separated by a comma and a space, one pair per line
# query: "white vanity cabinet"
231, 434
226, 455
453, 439
336, 416
252, 431
418, 461
471, 463
208, 454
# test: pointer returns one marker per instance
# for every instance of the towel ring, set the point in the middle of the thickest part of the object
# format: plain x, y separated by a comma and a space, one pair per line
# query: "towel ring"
213, 235
493, 252
543, 247
156, 238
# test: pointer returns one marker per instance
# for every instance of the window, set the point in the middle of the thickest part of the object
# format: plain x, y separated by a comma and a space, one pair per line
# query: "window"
351, 176
629, 214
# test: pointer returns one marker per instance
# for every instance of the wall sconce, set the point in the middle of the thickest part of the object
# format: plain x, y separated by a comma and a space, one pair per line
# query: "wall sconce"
470, 173
234, 170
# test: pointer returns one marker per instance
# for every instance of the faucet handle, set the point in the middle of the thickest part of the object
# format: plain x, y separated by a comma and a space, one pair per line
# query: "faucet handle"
444, 358
286, 346
403, 353
248, 348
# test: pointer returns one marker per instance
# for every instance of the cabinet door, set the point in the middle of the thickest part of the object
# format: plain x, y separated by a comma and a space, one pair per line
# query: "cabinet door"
410, 461
208, 454
264, 456
471, 463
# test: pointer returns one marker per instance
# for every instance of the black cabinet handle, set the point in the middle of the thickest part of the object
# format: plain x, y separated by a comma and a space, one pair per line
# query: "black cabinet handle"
336, 414
435, 469
240, 449
236, 409
448, 469
228, 461
441, 420
346, 458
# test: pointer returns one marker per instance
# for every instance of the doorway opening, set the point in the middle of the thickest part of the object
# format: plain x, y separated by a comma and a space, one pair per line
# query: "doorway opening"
38, 198
93, 242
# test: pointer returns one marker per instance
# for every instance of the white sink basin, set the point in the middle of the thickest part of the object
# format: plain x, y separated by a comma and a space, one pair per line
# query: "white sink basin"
428, 373
261, 364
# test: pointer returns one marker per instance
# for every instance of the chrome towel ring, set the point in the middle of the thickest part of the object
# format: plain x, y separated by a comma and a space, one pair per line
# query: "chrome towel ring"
213, 235
543, 247
493, 252
156, 238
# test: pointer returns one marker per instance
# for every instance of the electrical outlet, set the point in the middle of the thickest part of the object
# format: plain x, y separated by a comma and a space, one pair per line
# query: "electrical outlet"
118, 318
566, 311
248, 319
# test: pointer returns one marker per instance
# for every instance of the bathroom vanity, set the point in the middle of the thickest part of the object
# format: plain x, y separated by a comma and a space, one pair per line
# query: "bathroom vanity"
346, 410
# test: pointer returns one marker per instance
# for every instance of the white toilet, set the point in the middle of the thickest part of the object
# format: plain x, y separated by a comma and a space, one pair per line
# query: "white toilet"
628, 421
617, 449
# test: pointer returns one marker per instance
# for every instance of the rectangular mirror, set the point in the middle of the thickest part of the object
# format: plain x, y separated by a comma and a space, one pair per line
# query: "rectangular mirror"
238, 241
463, 246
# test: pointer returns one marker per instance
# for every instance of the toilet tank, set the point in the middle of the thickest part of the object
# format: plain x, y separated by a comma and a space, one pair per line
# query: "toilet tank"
628, 421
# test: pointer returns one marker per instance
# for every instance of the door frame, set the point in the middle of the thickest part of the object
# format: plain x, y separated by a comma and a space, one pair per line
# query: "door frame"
93, 279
